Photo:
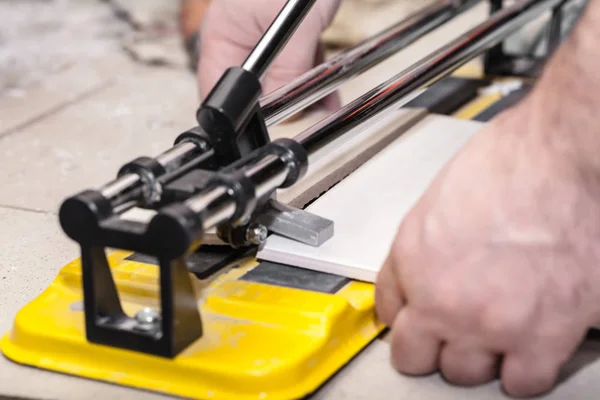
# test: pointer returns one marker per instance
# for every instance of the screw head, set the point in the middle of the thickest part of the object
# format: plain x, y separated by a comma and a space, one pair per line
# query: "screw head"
257, 234
147, 318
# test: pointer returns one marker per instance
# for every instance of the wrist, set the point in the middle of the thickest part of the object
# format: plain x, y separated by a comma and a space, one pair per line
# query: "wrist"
566, 128
563, 109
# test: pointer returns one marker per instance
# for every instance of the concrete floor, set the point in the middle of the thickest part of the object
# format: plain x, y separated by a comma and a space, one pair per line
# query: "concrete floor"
70, 124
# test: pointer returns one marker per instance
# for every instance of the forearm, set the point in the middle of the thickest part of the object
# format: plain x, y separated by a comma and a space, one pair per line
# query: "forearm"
565, 107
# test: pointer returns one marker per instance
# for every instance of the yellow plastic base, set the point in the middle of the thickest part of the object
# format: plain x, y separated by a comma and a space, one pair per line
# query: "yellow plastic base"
260, 341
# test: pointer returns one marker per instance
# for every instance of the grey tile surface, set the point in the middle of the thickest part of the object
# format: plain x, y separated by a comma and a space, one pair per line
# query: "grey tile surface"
21, 107
83, 145
32, 250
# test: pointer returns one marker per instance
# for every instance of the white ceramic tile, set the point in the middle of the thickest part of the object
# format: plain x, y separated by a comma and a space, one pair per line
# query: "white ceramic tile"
368, 206
344, 155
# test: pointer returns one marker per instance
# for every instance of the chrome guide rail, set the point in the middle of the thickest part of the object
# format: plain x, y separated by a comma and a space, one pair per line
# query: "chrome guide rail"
388, 96
324, 79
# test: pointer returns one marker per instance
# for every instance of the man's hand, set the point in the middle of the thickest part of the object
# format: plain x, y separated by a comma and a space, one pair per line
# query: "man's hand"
232, 28
496, 270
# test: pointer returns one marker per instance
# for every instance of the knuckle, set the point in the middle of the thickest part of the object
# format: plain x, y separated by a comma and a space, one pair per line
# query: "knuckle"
406, 244
387, 304
447, 297
388, 292
508, 319
441, 295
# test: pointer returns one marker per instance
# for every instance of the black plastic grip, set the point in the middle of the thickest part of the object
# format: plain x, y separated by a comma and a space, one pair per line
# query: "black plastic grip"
143, 165
243, 192
230, 116
81, 215
175, 230
294, 156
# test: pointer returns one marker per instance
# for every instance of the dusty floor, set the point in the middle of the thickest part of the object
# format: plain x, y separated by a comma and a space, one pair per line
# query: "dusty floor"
73, 108
41, 38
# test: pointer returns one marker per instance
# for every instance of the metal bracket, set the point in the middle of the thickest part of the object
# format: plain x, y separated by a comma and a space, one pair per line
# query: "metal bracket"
500, 63
176, 326
296, 224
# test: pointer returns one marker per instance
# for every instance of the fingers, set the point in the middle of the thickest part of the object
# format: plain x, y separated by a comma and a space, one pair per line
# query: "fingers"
534, 368
388, 293
526, 375
302, 52
231, 29
467, 367
415, 350
226, 39
304, 49
295, 59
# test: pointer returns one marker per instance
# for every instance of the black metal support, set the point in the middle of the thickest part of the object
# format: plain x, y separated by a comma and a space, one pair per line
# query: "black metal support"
87, 219
107, 324
497, 62
496, 54
171, 237
249, 203
230, 127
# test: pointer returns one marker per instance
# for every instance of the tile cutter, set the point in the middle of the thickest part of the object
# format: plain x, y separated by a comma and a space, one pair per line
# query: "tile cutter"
164, 313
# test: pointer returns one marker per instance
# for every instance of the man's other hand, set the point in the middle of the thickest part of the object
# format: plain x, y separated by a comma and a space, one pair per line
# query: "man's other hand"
231, 29
495, 272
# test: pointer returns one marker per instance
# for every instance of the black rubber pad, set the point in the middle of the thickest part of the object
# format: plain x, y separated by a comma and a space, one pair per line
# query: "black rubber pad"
503, 104
448, 95
296, 278
204, 263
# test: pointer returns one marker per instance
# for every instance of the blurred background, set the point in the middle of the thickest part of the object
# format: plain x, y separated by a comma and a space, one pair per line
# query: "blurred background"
39, 38
42, 37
